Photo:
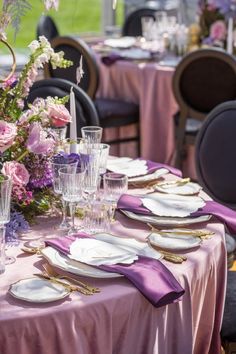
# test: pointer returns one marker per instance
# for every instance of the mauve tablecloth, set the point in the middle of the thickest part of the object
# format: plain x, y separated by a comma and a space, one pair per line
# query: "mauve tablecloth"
119, 320
149, 85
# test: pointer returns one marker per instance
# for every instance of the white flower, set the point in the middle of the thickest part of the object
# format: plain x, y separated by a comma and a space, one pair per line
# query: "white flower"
33, 46
51, 4
57, 59
79, 71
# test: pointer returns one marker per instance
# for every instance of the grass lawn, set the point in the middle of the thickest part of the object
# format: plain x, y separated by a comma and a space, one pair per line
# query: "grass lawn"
73, 16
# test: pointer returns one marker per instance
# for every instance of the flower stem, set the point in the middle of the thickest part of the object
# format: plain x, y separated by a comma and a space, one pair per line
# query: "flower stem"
22, 155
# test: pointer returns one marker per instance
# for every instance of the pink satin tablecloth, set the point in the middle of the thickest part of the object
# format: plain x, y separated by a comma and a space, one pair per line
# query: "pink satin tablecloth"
119, 320
149, 85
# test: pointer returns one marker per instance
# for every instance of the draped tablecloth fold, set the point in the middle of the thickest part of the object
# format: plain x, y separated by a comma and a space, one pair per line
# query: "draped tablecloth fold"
150, 276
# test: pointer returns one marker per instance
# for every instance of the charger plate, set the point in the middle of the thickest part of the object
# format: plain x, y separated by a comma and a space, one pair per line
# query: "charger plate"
38, 290
63, 262
167, 221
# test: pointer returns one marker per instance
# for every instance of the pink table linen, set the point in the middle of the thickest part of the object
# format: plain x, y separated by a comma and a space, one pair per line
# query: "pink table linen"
149, 85
119, 319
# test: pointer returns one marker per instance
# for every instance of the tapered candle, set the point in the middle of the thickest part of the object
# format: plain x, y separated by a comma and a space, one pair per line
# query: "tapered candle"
73, 124
230, 36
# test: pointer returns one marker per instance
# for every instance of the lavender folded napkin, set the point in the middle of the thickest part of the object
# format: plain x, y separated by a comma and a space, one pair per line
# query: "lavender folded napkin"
223, 213
149, 276
153, 166
111, 58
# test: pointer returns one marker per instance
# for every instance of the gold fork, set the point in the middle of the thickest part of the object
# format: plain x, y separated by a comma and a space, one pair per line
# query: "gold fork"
203, 234
52, 272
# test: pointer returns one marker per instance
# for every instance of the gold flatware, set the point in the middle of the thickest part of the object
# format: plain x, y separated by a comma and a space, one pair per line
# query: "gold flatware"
52, 272
66, 285
36, 250
203, 234
169, 256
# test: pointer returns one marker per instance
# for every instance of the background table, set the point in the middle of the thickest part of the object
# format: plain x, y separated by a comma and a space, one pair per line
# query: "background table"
150, 85
119, 320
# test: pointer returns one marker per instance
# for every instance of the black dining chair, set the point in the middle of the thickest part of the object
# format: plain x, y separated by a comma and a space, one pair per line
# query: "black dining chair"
202, 80
85, 111
132, 25
215, 157
113, 113
46, 27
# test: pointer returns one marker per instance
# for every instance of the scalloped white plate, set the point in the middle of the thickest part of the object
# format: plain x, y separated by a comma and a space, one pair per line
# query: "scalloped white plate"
38, 290
65, 263
174, 242
166, 221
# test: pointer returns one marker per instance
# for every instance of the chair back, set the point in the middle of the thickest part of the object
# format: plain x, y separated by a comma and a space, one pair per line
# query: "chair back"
86, 113
202, 80
73, 49
133, 22
215, 154
46, 27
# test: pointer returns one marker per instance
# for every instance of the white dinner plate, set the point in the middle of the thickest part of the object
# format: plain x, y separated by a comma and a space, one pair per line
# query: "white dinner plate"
167, 221
130, 244
189, 188
129, 167
149, 177
172, 241
100, 252
172, 205
122, 42
38, 290
56, 259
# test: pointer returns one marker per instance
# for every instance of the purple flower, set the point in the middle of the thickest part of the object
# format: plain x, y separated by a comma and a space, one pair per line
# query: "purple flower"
38, 142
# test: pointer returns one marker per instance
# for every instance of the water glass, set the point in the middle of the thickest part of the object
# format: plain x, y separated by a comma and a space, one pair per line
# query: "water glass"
90, 160
92, 134
114, 184
104, 153
97, 217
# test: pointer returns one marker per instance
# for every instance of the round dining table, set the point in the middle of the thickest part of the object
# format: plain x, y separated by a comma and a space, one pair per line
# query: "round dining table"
119, 319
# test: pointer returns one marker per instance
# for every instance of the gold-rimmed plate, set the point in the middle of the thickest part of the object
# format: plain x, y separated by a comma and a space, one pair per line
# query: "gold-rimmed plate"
38, 290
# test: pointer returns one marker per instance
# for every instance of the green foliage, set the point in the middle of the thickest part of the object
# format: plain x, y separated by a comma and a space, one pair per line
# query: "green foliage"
73, 17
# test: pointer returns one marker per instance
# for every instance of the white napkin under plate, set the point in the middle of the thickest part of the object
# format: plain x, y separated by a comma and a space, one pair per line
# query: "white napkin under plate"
172, 205
96, 252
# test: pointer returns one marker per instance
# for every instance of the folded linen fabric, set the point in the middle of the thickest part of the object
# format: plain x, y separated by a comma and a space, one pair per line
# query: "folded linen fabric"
150, 276
151, 165
111, 58
223, 213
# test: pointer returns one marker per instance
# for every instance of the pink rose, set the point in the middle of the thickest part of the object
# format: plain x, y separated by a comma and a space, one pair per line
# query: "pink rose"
218, 30
16, 171
38, 142
58, 114
8, 132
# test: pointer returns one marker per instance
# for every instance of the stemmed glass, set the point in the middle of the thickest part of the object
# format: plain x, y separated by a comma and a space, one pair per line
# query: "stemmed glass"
69, 167
5, 203
114, 184
72, 186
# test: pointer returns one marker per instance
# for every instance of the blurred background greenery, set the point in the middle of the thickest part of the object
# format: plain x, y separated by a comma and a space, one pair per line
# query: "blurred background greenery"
73, 17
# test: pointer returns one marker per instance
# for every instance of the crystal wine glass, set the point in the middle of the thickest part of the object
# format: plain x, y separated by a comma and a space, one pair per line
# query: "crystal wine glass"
5, 203
72, 186
57, 186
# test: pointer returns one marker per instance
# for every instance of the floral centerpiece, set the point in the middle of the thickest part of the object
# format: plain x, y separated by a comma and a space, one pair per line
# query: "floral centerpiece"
26, 138
213, 19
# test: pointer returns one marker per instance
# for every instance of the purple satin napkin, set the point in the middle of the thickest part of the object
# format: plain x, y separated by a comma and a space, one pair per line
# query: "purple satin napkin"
149, 276
223, 213
111, 58
153, 166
